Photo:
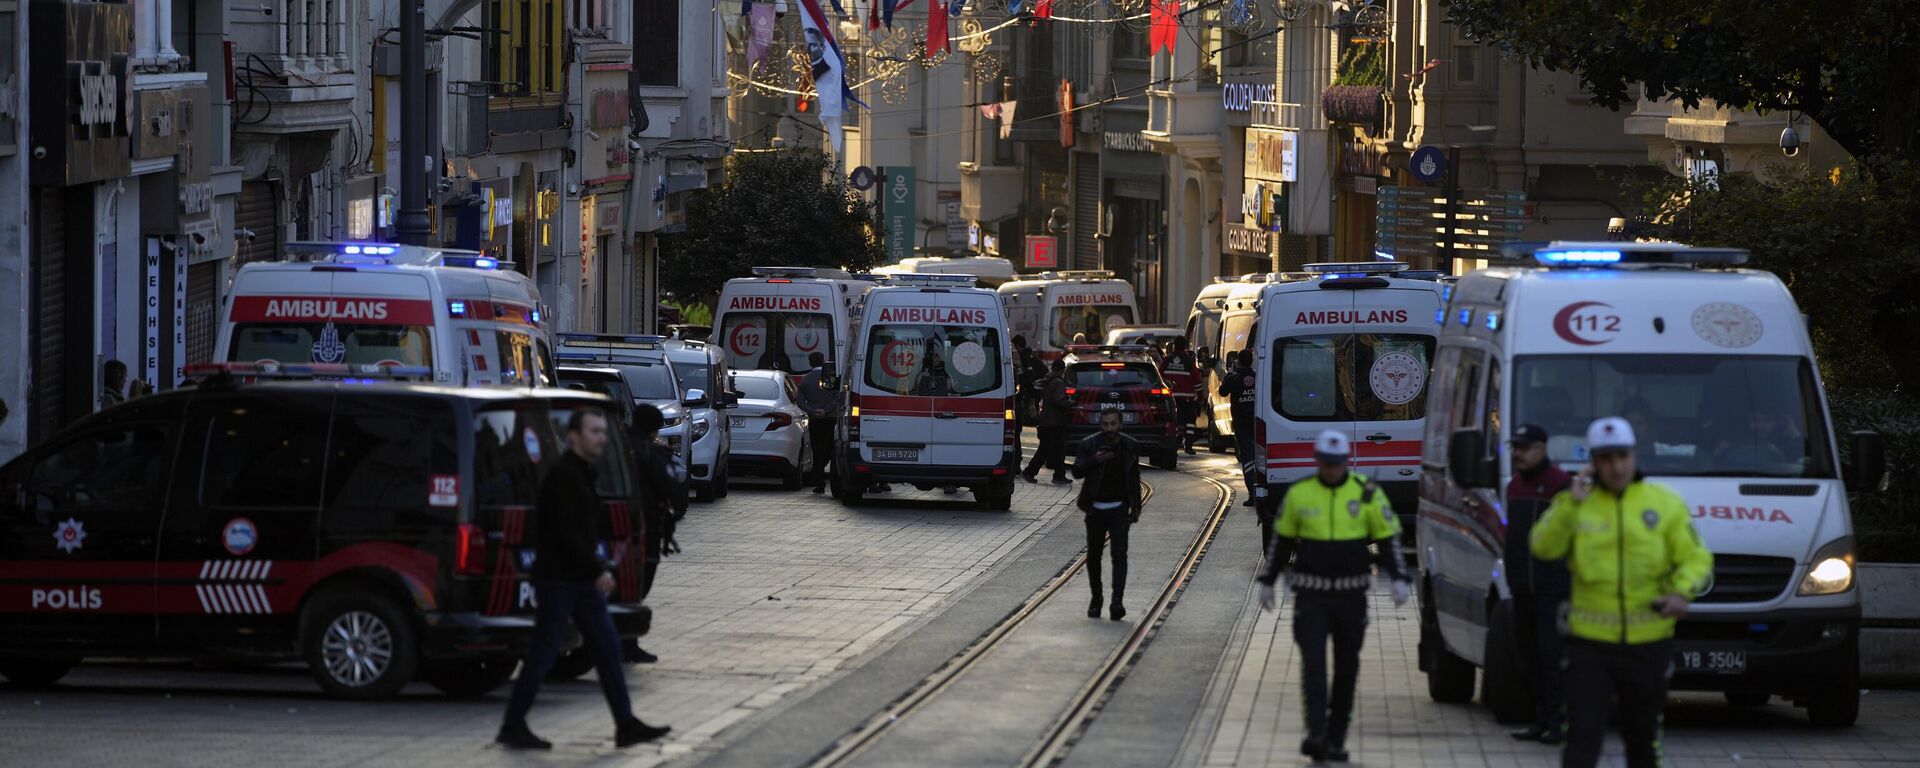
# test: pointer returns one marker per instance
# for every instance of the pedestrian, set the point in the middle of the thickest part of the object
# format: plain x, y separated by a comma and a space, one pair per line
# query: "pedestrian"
1539, 587
1238, 386
1028, 373
1325, 525
820, 398
1636, 564
113, 386
1055, 411
1109, 464
663, 503
1182, 370
570, 584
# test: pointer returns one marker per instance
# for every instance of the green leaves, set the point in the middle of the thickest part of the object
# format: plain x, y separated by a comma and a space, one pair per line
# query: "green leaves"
781, 208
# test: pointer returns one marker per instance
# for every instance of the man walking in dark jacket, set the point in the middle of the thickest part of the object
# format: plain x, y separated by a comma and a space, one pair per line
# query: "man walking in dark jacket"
822, 404
1028, 375
1109, 464
663, 502
1539, 587
1239, 387
570, 583
1055, 411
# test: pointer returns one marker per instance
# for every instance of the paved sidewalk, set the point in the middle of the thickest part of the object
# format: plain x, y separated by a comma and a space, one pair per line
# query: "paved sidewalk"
1395, 724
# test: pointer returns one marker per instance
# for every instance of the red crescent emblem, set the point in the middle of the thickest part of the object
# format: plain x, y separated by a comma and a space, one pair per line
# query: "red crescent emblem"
897, 353
739, 336
1563, 323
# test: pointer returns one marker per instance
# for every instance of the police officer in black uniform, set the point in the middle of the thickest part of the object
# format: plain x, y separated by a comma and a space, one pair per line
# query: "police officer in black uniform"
1238, 386
663, 503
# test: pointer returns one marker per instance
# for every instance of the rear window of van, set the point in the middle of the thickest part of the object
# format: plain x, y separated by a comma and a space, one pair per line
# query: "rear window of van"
933, 360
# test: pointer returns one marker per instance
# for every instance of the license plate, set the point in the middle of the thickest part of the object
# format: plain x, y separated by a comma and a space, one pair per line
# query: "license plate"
1129, 418
736, 421
1113, 406
1712, 662
896, 454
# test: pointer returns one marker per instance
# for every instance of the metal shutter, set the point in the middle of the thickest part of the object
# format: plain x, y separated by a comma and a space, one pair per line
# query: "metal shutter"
203, 304
1086, 210
46, 400
259, 211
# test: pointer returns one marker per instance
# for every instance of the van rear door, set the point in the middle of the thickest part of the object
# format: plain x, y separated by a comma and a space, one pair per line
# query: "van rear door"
1392, 353
936, 383
1311, 360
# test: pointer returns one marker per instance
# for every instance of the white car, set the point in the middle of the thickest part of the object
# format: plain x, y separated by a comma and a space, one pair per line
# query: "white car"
699, 367
769, 428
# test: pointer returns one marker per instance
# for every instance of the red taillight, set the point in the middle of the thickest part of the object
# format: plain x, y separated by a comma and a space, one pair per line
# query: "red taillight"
1073, 390
779, 280
779, 420
1113, 365
1163, 391
470, 551
1260, 432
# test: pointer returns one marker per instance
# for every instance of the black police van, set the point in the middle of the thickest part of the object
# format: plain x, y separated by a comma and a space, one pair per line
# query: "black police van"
378, 531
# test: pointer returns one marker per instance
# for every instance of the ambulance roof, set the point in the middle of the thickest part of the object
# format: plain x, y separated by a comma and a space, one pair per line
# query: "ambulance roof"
1644, 311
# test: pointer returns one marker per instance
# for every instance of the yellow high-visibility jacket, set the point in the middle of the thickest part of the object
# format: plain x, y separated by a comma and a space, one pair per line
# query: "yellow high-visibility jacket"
1624, 552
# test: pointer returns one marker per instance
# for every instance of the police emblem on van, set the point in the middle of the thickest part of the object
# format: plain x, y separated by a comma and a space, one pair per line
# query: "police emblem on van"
239, 536
70, 535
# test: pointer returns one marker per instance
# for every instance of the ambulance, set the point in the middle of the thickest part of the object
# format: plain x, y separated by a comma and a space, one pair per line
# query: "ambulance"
1714, 368
1237, 316
930, 393
1050, 307
468, 318
777, 318
1349, 349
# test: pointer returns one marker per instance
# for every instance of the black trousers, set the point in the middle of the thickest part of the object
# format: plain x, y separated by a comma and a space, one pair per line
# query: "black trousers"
1253, 465
1536, 629
1317, 616
1052, 453
820, 431
1598, 674
1103, 527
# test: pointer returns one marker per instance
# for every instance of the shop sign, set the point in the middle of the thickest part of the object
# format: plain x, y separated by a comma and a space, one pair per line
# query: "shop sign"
1359, 158
1125, 141
899, 202
1239, 97
1042, 252
79, 127
1272, 155
956, 223
1248, 240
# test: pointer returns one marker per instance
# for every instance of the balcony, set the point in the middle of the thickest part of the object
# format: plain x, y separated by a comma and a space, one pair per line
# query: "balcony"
1186, 121
293, 66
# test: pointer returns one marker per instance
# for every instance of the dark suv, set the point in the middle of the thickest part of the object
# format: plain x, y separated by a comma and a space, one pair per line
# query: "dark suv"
377, 531
1124, 378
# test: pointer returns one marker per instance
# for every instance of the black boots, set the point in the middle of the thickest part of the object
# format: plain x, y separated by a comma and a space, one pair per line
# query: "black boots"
634, 732
1093, 608
1116, 611
519, 736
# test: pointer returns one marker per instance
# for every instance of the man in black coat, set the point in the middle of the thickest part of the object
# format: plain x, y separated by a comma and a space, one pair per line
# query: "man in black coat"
1109, 464
1539, 587
570, 584
662, 502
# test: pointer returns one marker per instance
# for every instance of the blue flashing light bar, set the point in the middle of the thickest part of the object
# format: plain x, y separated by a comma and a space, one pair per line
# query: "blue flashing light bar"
1550, 256
1602, 254
457, 308
472, 262
612, 341
1466, 316
1440, 316
1493, 321
1355, 268
933, 279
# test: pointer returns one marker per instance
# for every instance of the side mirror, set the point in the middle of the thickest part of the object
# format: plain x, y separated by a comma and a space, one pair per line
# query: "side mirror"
696, 398
830, 381
1468, 461
730, 400
1867, 469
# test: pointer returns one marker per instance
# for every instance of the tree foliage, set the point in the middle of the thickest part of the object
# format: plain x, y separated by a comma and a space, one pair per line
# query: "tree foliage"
786, 208
1849, 66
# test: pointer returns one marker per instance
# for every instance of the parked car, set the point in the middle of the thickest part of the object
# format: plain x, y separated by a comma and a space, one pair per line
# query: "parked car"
770, 428
602, 380
642, 361
704, 392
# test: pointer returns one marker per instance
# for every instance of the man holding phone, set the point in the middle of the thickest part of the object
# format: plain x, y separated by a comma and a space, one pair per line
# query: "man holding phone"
1109, 462
1636, 563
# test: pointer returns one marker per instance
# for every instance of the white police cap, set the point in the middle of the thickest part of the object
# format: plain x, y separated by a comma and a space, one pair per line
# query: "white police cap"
1611, 432
1332, 443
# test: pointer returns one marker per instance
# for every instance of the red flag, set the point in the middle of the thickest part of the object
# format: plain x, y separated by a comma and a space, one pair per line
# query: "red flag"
1043, 9
937, 27
873, 14
1165, 15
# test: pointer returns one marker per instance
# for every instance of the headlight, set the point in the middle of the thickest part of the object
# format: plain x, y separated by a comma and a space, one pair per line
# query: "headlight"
670, 422
1832, 571
700, 429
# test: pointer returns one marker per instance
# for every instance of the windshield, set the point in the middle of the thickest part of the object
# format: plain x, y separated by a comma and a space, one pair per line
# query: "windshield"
756, 388
1092, 320
1352, 376
1118, 376
649, 381
331, 343
1730, 416
1206, 330
694, 376
614, 388
933, 360
744, 339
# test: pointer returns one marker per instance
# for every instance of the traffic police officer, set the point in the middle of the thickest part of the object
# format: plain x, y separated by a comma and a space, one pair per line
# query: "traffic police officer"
1325, 525
1636, 563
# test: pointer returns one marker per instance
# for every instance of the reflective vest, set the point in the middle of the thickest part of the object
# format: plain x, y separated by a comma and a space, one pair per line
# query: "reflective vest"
1333, 527
1624, 552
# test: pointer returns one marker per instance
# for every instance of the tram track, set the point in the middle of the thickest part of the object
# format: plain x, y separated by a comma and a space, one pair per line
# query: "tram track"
1066, 727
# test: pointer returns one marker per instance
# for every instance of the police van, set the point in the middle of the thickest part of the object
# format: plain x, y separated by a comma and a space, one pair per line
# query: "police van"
378, 532
464, 316
1349, 349
1051, 307
930, 395
1714, 368
652, 379
774, 320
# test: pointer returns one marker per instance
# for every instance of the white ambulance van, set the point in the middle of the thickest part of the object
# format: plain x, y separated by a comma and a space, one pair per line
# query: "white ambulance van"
1050, 307
1349, 349
775, 319
1714, 367
1234, 330
469, 318
930, 395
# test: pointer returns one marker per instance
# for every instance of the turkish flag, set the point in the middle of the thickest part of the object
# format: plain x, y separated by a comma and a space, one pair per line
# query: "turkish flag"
1166, 25
1043, 9
937, 28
